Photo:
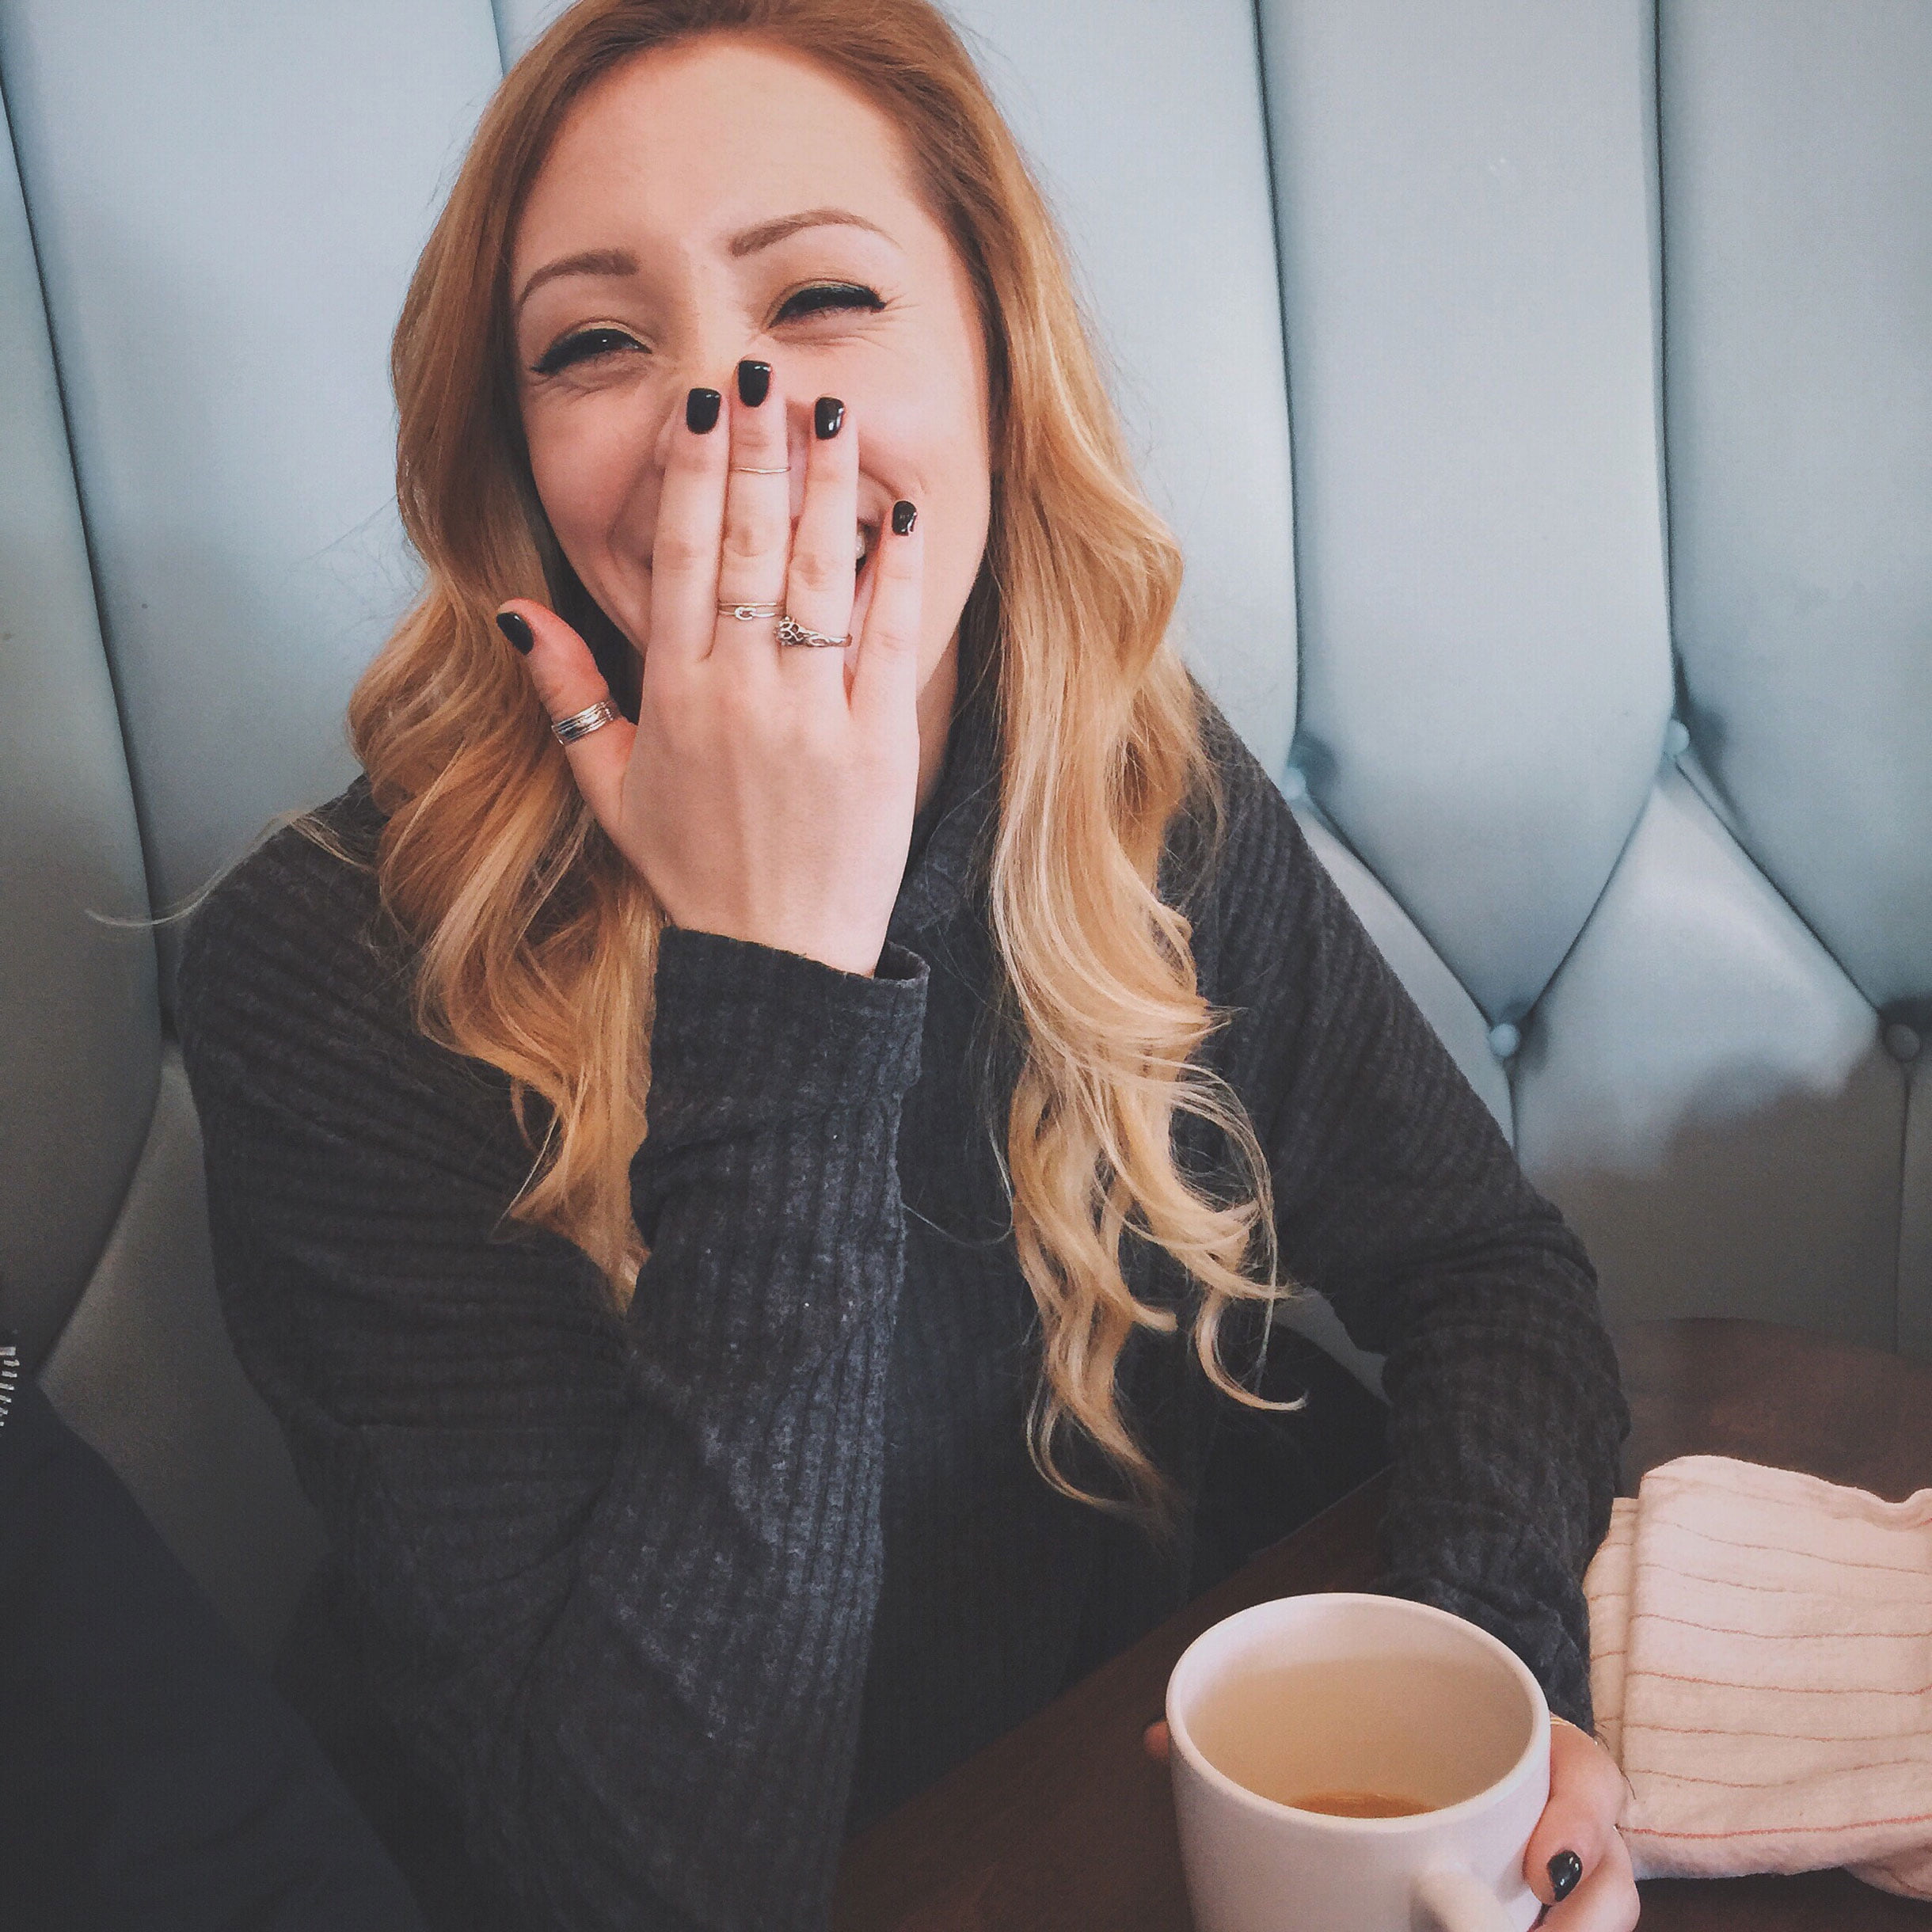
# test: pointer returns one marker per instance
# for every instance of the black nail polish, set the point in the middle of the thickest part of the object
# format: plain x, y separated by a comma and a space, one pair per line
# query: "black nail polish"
701, 410
516, 627
1565, 1870
905, 515
753, 383
827, 418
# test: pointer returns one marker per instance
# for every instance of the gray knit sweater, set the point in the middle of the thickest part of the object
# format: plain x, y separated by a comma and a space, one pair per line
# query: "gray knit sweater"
663, 1603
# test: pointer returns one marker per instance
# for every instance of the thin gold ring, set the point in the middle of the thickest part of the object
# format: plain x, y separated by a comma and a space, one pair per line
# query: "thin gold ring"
745, 613
746, 469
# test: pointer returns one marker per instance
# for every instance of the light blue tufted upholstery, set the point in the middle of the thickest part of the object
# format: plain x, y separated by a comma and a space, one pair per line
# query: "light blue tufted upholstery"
1593, 641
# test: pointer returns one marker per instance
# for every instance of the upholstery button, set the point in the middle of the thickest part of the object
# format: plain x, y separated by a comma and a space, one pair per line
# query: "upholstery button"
1294, 786
1676, 738
1504, 1040
1902, 1042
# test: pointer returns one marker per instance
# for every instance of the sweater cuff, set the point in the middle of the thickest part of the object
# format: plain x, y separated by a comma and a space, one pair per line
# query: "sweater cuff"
744, 1037
1541, 1618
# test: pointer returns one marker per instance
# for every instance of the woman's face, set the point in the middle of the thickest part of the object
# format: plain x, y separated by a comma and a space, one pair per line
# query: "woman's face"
720, 200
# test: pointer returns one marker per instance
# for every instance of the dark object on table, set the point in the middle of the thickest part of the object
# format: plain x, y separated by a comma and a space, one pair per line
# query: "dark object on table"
150, 1778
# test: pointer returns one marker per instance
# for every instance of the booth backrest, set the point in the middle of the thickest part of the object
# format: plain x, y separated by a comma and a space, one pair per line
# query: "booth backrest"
1542, 390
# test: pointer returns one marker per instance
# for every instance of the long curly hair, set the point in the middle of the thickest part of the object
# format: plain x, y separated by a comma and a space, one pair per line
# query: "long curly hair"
536, 942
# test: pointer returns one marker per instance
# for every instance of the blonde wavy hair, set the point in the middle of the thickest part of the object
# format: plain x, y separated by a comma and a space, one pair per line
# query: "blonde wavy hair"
537, 942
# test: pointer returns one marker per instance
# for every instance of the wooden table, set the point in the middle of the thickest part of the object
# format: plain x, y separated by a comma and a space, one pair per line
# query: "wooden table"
1063, 1825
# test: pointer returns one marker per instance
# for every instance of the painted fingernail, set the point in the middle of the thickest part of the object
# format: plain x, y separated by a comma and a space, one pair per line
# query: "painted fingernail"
905, 515
516, 627
753, 383
827, 418
1565, 1868
701, 410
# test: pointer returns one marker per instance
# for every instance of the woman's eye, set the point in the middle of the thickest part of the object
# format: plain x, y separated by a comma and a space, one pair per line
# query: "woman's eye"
585, 346
826, 295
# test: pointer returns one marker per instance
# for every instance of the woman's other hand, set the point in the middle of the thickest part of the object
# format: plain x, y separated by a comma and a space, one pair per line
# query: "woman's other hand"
1575, 1851
1577, 1835
767, 792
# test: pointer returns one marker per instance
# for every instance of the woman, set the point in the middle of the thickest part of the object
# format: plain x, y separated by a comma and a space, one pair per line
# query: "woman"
755, 1221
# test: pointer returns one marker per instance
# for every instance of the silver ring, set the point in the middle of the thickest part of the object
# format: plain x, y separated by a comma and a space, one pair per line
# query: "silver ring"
581, 724
744, 613
790, 631
746, 469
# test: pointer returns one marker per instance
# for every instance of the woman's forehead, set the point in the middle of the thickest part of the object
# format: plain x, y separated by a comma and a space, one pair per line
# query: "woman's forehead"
705, 142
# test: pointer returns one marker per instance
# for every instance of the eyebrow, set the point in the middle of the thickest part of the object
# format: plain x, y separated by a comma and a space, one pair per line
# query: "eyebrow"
618, 262
767, 233
608, 262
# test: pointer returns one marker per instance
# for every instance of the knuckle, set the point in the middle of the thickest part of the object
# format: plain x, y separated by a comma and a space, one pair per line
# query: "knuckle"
817, 573
744, 539
555, 688
680, 551
694, 456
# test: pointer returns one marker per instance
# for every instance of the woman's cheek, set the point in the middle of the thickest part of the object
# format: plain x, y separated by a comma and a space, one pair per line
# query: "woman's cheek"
589, 487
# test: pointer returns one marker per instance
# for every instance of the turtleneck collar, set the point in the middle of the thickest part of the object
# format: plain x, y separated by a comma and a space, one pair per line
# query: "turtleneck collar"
946, 832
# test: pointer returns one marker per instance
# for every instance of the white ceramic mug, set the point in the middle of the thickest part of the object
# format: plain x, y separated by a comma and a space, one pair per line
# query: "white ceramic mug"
1315, 1696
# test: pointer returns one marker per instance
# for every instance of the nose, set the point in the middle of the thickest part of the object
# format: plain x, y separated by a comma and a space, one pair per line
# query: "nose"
705, 355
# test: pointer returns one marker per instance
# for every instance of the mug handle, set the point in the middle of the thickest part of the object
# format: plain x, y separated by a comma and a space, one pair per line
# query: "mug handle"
1454, 1899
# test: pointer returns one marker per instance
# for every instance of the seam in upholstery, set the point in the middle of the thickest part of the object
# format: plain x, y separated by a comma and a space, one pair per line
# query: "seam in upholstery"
1287, 372
142, 830
1660, 351
1662, 467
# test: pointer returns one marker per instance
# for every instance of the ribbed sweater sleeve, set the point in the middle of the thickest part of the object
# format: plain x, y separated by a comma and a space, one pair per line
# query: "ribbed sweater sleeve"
1398, 1199
620, 1571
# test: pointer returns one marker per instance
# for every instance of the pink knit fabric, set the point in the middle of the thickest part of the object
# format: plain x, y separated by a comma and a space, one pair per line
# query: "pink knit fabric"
1762, 1668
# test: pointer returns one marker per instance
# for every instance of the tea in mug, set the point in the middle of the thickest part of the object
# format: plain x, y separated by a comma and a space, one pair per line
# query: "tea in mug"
1359, 1737
1359, 1804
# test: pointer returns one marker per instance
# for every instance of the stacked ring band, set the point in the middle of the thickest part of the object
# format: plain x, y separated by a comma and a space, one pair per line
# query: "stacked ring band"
744, 613
791, 632
581, 724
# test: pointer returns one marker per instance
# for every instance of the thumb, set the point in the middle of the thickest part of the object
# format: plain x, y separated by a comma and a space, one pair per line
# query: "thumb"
1579, 1823
568, 683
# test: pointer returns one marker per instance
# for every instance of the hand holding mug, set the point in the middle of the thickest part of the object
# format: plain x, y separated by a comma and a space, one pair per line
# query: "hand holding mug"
1359, 1763
1575, 1860
766, 791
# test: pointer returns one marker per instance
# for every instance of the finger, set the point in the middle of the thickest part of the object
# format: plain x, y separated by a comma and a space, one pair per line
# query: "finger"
567, 681
684, 546
1606, 1901
820, 577
1579, 1822
1157, 1741
757, 506
885, 686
